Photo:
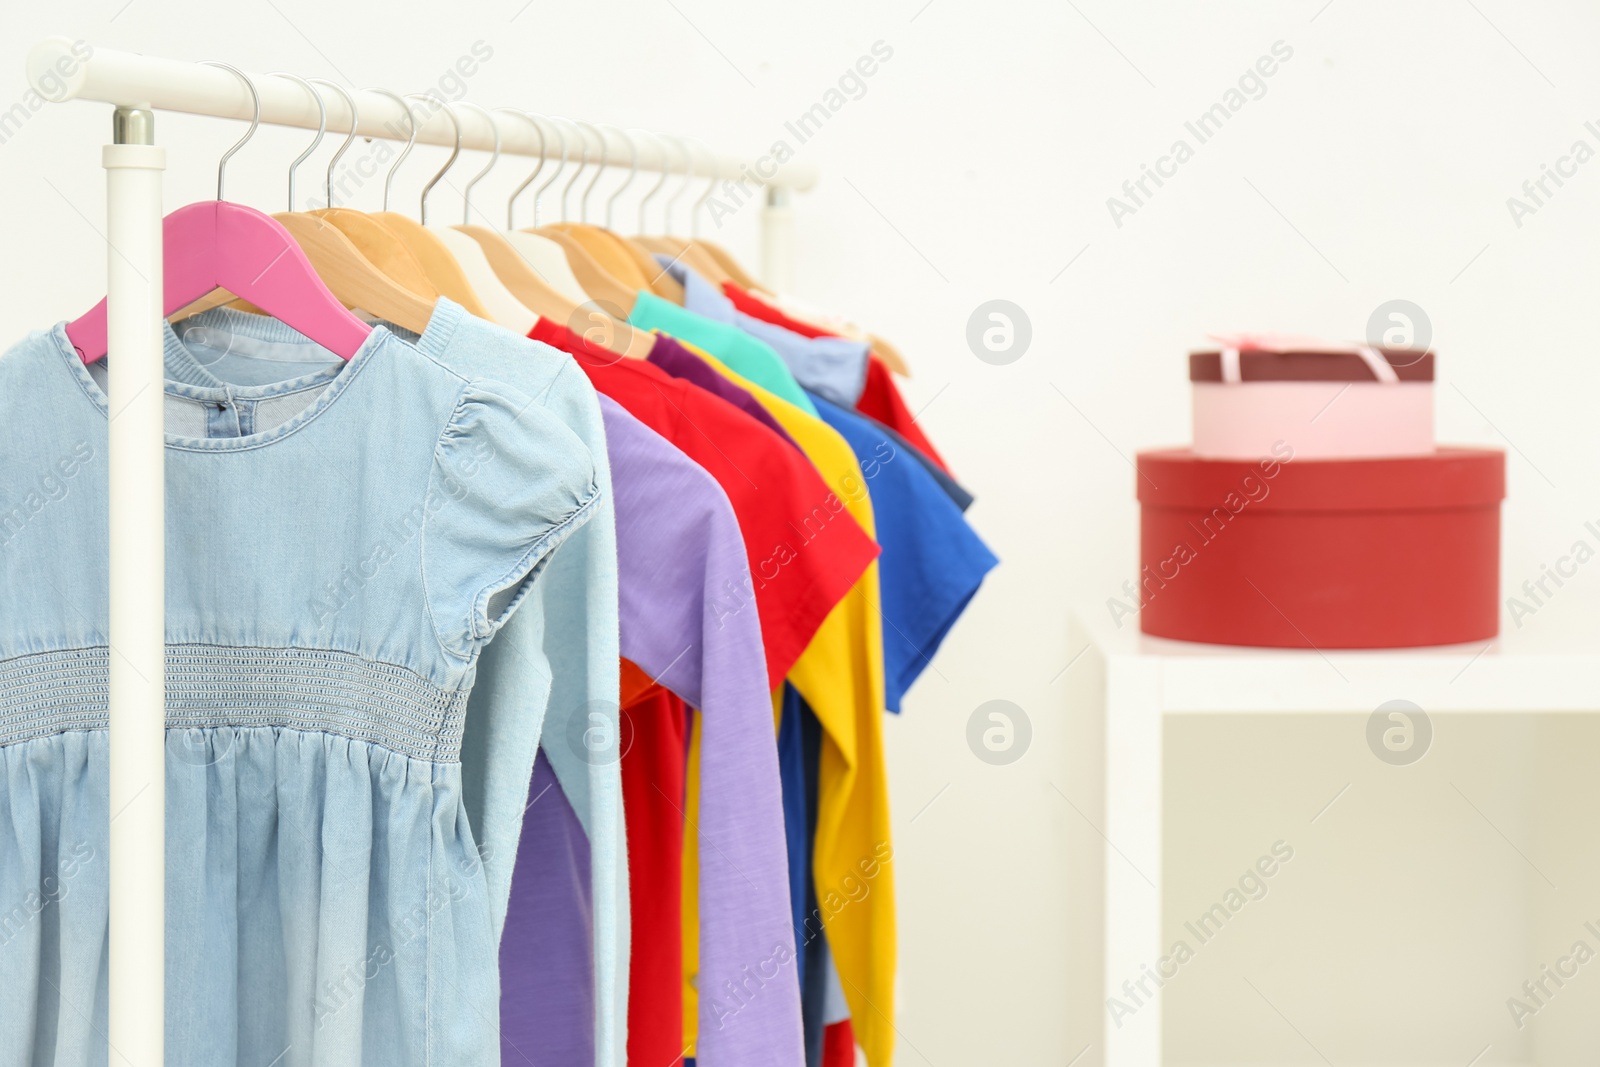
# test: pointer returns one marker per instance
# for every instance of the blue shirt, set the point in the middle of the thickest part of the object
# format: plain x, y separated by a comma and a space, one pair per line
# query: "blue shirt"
932, 561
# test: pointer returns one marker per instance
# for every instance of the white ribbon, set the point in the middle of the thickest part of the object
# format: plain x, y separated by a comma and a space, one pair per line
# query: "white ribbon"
1230, 365
1233, 345
1377, 364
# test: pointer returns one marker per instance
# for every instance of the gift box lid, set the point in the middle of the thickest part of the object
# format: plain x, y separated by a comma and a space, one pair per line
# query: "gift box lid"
1410, 365
1445, 479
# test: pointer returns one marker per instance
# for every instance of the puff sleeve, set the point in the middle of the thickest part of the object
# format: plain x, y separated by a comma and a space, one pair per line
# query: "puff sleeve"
510, 482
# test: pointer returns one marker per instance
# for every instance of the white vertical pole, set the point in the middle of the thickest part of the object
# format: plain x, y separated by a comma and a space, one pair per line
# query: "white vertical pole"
1134, 727
138, 610
777, 240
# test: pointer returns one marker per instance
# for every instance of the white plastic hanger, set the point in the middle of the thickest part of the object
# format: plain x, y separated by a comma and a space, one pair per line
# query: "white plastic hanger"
543, 255
503, 307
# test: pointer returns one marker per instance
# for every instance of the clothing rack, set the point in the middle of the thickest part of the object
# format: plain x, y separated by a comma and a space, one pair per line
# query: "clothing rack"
138, 86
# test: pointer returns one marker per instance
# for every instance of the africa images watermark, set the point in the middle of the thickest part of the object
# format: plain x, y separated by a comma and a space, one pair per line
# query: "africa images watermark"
1250, 887
1536, 592
52, 889
407, 928
325, 602
1252, 490
1537, 992
1536, 192
53, 80
49, 488
740, 594
447, 88
734, 193
737, 995
1251, 85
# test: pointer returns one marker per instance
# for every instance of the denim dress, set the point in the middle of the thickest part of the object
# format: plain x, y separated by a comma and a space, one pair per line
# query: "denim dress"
342, 541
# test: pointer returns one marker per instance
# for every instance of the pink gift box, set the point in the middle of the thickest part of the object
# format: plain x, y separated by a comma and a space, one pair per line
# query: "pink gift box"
1324, 401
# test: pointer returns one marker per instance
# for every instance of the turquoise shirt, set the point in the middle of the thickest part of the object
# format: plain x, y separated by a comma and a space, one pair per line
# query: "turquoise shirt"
745, 355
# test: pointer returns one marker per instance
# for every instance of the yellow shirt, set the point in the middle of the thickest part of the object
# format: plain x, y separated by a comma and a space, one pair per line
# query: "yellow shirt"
840, 675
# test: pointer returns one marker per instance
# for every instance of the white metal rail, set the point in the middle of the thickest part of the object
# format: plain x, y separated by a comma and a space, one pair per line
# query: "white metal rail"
138, 86
132, 80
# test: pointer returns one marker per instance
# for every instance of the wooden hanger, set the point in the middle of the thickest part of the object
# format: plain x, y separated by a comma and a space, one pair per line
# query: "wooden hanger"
371, 237
684, 249
519, 280
353, 277
890, 355
662, 284
690, 255
631, 264
595, 311
500, 274
437, 261
546, 257
745, 280
713, 252
382, 248
604, 281
598, 282
741, 277
605, 252
504, 306
593, 239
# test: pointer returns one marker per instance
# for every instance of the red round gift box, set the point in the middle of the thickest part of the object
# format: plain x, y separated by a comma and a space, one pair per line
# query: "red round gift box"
1361, 553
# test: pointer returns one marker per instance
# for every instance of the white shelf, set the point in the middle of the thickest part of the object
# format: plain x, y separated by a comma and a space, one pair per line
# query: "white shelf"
1127, 684
1550, 664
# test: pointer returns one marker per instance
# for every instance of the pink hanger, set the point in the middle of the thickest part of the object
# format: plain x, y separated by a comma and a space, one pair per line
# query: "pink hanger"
215, 245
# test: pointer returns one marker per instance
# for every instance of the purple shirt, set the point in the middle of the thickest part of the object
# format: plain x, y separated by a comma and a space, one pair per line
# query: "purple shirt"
679, 554
547, 982
679, 362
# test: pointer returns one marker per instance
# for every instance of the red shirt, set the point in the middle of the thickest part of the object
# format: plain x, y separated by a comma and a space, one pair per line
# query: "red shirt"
839, 1045
880, 399
652, 808
800, 567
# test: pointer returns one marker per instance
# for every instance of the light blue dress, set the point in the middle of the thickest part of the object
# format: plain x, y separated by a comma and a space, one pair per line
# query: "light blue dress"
566, 654
343, 540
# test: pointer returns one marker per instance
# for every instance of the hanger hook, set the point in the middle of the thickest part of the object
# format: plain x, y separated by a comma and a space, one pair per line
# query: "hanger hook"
583, 161
411, 118
538, 194
633, 170
711, 184
450, 112
656, 188
255, 119
537, 128
355, 120
688, 176
466, 193
605, 151
322, 126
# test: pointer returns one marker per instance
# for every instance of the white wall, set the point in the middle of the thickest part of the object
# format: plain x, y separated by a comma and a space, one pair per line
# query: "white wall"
977, 166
